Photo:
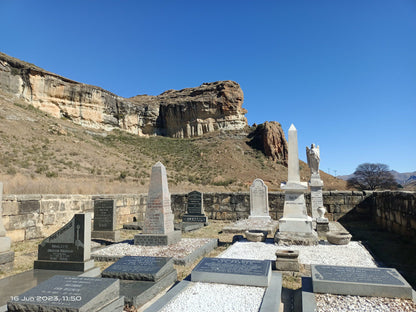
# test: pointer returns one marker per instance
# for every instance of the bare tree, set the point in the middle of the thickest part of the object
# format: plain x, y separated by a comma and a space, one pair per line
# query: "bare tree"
371, 177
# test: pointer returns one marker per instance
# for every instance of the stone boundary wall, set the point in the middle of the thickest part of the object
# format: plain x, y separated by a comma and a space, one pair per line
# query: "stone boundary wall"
37, 216
395, 212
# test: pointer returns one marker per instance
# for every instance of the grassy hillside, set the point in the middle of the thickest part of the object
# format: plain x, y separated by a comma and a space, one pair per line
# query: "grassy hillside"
42, 154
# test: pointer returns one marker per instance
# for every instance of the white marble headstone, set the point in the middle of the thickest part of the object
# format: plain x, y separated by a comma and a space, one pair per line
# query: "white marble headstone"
259, 201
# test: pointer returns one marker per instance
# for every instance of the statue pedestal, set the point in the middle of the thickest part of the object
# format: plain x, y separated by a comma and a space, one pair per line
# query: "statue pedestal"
316, 194
295, 227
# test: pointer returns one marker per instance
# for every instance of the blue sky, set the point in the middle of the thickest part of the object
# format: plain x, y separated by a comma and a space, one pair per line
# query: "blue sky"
344, 72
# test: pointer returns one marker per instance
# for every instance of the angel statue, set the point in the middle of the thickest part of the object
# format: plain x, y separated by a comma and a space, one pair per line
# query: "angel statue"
312, 155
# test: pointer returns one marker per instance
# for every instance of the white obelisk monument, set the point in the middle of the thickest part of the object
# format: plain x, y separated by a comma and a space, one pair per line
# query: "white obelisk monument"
295, 227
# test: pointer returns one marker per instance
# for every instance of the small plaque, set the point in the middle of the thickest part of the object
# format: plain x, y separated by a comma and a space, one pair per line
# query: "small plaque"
360, 281
233, 271
104, 215
67, 293
195, 203
140, 268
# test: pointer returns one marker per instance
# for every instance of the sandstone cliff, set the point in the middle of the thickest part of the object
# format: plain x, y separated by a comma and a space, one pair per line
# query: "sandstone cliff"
270, 139
184, 113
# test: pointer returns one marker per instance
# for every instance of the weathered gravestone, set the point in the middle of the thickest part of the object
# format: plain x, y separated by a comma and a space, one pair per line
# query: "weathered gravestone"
295, 227
233, 271
195, 209
142, 278
6, 255
70, 293
105, 220
69, 248
158, 225
359, 281
259, 200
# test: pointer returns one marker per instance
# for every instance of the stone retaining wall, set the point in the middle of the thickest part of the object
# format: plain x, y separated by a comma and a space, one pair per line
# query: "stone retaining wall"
37, 216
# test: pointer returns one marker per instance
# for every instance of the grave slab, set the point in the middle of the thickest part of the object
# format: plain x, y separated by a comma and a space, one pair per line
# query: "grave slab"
69, 294
12, 285
233, 271
140, 268
360, 281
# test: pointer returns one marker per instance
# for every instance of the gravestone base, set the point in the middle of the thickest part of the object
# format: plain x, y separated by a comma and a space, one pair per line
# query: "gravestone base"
82, 266
322, 225
138, 225
195, 218
6, 261
158, 239
137, 293
142, 278
252, 224
293, 238
110, 235
188, 226
296, 225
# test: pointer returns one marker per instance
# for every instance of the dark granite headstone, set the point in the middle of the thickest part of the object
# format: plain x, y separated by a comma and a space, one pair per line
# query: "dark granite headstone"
195, 209
139, 268
69, 248
195, 203
104, 215
70, 293
233, 271
360, 281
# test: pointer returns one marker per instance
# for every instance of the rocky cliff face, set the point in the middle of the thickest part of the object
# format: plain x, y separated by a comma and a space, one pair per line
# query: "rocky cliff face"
270, 139
185, 113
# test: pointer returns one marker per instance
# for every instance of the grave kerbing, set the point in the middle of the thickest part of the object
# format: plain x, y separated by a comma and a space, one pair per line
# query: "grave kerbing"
6, 255
69, 248
158, 225
295, 227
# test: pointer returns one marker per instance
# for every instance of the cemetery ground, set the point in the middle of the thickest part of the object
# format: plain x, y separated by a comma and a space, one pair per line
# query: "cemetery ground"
26, 252
389, 249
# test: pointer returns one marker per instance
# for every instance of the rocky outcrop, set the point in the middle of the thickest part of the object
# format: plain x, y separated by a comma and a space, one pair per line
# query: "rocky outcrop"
184, 113
270, 139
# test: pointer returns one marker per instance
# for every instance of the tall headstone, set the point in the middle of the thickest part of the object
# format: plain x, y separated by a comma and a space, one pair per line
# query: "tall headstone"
69, 248
6, 255
195, 209
105, 220
158, 225
295, 227
259, 200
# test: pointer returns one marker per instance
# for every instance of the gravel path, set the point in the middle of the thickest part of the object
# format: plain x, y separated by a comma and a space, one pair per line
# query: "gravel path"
209, 297
353, 254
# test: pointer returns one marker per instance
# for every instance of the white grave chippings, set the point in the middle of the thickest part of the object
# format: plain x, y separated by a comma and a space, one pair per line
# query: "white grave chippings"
208, 297
337, 303
181, 249
353, 254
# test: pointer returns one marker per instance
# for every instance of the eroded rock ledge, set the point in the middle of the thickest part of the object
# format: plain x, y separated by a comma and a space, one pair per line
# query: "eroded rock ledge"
185, 113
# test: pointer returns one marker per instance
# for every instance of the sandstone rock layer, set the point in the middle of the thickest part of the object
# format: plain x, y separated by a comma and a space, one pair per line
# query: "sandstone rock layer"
270, 139
185, 113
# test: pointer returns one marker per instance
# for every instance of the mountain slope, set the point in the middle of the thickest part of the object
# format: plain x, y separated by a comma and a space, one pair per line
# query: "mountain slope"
43, 154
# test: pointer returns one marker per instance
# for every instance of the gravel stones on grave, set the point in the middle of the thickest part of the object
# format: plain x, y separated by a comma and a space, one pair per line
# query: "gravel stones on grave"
338, 237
